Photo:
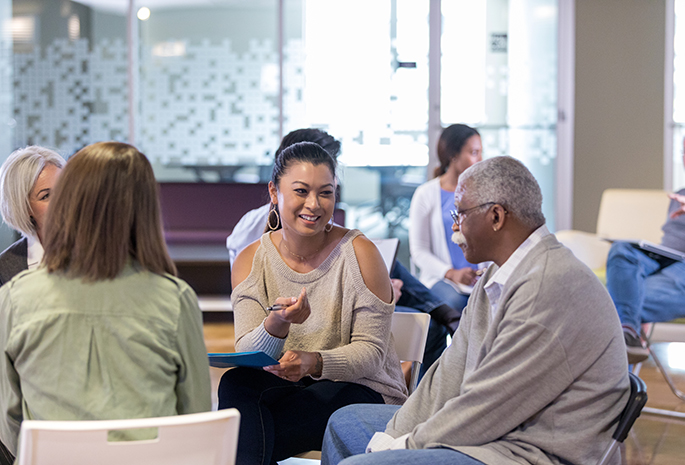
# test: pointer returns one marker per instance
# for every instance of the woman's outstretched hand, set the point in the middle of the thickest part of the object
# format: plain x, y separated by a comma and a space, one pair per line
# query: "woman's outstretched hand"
296, 311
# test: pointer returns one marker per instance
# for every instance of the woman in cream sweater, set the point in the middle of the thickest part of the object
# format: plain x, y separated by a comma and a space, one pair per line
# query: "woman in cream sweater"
332, 334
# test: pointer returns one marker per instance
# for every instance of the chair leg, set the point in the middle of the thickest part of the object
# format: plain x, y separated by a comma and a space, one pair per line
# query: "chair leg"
671, 384
609, 452
414, 379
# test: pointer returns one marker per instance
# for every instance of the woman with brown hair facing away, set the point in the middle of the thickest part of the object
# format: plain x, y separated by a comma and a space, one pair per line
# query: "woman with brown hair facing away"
332, 334
103, 329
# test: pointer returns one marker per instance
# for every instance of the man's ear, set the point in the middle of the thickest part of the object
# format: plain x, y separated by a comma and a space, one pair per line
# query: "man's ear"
499, 217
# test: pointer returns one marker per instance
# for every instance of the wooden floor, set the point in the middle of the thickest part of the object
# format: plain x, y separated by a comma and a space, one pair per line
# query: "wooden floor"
652, 441
656, 440
219, 337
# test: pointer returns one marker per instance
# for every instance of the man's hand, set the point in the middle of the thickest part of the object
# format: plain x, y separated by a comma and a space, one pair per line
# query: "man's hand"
681, 200
466, 276
397, 288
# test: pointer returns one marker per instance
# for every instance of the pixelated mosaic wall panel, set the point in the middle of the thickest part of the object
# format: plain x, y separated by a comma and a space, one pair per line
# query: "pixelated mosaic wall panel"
215, 106
210, 106
68, 96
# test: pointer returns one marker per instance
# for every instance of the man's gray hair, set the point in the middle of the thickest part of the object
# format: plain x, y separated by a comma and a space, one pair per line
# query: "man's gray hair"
17, 176
506, 181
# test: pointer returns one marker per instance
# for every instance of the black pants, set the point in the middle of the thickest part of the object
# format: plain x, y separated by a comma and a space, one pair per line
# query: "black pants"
279, 418
6, 458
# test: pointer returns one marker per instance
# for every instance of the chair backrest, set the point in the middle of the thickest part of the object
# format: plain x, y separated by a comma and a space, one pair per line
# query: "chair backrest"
410, 331
208, 438
586, 247
632, 410
388, 249
632, 214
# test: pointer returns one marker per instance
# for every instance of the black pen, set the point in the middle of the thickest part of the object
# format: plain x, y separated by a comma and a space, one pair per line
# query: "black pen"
276, 307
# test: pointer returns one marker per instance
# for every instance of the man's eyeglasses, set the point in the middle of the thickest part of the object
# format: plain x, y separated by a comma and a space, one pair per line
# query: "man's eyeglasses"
458, 216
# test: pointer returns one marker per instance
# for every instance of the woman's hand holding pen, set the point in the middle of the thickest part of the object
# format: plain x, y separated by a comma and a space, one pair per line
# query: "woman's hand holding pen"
287, 311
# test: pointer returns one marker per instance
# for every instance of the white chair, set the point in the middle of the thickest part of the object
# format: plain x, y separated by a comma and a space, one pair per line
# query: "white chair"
388, 249
630, 214
410, 331
623, 214
209, 438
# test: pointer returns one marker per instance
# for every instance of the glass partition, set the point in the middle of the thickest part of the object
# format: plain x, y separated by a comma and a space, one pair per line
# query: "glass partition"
7, 121
365, 81
679, 96
499, 74
70, 78
210, 103
209, 89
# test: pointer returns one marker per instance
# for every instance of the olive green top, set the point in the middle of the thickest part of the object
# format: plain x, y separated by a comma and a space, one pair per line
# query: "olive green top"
131, 347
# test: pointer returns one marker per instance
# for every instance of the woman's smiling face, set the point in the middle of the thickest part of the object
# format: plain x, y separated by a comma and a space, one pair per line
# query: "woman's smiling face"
305, 197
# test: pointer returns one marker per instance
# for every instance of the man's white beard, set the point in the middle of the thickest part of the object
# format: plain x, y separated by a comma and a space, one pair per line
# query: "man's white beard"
458, 238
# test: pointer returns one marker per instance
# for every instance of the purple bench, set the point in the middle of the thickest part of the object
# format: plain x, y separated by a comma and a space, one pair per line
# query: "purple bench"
198, 217
206, 213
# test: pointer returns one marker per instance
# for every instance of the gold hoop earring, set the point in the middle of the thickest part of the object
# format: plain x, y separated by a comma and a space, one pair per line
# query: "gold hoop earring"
278, 219
329, 225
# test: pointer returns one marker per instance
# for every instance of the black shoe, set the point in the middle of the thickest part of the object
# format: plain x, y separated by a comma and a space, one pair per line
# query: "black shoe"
446, 316
637, 351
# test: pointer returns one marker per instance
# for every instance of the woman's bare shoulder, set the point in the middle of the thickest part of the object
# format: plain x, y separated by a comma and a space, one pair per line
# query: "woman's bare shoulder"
242, 266
372, 267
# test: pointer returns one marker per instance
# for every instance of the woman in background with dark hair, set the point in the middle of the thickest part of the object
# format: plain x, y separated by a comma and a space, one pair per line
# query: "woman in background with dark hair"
103, 329
332, 336
441, 262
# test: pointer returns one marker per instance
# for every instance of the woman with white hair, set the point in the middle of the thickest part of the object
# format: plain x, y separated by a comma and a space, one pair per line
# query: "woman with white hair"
26, 180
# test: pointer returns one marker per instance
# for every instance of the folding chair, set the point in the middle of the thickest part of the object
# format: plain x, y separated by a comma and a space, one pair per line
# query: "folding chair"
410, 331
637, 400
616, 220
655, 333
209, 438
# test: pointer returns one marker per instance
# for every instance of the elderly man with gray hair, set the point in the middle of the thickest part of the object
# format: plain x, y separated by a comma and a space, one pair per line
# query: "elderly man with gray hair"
536, 373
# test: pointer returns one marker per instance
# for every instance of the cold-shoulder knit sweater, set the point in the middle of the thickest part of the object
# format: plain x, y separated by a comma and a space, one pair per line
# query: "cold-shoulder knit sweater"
348, 325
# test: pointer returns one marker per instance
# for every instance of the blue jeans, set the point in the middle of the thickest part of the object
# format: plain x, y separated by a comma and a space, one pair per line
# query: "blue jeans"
351, 428
414, 293
417, 297
279, 418
445, 292
645, 289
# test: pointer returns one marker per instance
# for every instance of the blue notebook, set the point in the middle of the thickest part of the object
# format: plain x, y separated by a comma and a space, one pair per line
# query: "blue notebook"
241, 359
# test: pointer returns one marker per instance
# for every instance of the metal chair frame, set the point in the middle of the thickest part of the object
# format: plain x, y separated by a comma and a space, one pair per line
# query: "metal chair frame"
632, 410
